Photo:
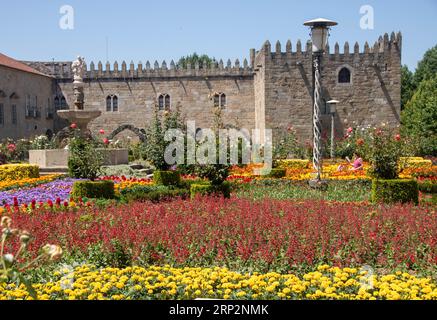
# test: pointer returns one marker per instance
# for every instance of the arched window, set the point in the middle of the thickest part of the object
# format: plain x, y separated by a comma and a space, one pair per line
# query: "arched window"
344, 76
63, 103
220, 100
112, 103
164, 101
57, 103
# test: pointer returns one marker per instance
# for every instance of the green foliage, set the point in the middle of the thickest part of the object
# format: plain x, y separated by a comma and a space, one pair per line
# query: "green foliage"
384, 154
154, 150
14, 151
152, 193
427, 67
93, 189
223, 189
42, 143
419, 117
84, 161
408, 86
428, 187
277, 173
166, 178
204, 61
394, 191
287, 146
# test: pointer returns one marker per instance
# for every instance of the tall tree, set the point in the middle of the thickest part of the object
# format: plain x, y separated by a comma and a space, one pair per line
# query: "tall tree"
203, 60
420, 114
407, 86
427, 67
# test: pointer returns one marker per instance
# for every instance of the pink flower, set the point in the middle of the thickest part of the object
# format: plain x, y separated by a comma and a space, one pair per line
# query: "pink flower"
106, 141
12, 147
73, 126
102, 131
398, 137
350, 130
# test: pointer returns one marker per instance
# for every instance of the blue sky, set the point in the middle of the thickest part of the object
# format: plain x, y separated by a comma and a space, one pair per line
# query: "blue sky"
168, 29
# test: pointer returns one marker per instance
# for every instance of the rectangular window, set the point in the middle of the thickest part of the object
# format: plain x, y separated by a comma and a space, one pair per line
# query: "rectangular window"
2, 115
14, 114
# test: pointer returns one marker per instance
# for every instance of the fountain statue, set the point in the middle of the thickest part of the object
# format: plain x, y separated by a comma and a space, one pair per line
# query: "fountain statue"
79, 115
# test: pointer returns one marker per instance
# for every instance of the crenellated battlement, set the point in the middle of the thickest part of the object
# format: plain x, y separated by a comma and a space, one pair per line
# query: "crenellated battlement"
62, 70
385, 45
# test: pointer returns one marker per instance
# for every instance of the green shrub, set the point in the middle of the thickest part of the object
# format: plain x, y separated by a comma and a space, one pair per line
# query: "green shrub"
395, 190
152, 193
277, 173
93, 189
428, 187
166, 178
84, 160
223, 189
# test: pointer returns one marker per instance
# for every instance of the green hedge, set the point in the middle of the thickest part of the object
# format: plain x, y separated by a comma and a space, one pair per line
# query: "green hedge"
93, 189
223, 189
277, 173
152, 193
395, 191
428, 187
166, 178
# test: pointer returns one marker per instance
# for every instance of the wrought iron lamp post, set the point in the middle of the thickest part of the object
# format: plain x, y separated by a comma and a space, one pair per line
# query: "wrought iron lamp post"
332, 104
319, 37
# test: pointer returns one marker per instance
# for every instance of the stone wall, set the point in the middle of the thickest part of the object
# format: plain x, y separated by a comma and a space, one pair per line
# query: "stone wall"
16, 87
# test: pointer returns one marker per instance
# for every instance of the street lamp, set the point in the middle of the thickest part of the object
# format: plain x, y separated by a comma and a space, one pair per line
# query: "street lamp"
332, 104
319, 37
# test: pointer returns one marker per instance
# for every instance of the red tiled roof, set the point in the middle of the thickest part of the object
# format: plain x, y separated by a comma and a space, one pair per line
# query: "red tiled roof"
14, 64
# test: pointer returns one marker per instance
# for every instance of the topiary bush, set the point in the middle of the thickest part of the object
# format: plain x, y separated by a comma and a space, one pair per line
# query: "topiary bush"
395, 191
18, 171
223, 189
277, 173
93, 189
166, 178
428, 187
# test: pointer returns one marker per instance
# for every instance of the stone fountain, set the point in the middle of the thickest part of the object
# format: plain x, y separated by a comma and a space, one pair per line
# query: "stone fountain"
56, 160
78, 115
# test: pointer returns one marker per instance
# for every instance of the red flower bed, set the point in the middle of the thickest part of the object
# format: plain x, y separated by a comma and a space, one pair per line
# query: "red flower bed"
242, 233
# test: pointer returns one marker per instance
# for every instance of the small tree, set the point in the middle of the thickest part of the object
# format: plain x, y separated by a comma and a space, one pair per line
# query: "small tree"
203, 60
84, 161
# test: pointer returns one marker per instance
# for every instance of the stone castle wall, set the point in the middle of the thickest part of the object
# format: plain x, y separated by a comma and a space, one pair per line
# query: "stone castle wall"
273, 91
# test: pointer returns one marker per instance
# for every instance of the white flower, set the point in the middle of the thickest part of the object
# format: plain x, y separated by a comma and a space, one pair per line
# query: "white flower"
8, 258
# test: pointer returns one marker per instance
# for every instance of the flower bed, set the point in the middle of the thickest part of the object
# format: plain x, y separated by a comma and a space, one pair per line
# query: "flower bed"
12, 172
26, 182
41, 193
241, 233
89, 283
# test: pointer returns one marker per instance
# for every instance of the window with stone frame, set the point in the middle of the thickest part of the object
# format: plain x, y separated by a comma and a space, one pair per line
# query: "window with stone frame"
14, 117
344, 75
2, 114
164, 101
111, 103
220, 100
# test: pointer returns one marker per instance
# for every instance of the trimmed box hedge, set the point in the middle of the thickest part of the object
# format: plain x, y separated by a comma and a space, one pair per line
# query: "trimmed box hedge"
93, 189
428, 187
223, 189
395, 191
18, 171
166, 178
277, 173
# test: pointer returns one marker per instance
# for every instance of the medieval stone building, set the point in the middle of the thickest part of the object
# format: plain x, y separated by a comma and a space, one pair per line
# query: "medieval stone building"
272, 90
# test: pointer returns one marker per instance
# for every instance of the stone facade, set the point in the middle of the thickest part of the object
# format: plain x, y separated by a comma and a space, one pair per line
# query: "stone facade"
26, 103
273, 90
